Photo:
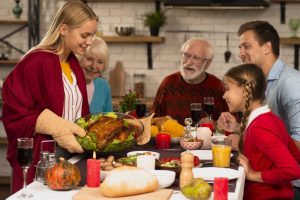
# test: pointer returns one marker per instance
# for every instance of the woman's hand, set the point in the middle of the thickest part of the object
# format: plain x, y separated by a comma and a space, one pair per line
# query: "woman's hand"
251, 175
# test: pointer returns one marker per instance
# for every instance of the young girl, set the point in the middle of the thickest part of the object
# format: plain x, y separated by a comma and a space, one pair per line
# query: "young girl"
268, 153
46, 91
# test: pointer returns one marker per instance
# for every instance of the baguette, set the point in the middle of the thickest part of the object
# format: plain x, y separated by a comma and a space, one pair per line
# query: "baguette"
126, 181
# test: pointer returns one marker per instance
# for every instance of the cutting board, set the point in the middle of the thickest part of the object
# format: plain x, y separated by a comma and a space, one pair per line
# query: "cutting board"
117, 80
95, 194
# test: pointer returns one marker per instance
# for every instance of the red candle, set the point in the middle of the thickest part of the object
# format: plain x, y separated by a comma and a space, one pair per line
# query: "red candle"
221, 188
163, 141
93, 172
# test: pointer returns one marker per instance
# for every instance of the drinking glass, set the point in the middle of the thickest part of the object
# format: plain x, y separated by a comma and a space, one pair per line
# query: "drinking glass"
140, 108
294, 25
195, 112
25, 156
221, 151
209, 106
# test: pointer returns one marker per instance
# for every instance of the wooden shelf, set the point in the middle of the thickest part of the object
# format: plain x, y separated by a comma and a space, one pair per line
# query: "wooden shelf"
3, 141
13, 21
133, 39
8, 62
290, 41
5, 180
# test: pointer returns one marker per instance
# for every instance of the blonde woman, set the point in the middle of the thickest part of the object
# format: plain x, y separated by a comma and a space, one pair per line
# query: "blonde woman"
46, 91
94, 62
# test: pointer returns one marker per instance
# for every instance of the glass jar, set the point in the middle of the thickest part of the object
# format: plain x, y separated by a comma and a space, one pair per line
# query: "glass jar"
139, 84
42, 167
51, 160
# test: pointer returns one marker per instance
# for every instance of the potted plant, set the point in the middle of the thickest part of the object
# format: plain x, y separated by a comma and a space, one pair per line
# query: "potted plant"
154, 20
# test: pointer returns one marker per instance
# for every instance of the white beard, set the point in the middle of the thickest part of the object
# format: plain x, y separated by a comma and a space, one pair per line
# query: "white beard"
191, 76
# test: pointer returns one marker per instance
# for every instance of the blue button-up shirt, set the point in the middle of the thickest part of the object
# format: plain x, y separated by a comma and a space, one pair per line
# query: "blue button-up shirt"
283, 96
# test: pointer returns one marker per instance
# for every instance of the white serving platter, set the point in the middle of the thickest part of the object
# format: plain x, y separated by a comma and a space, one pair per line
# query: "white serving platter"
209, 173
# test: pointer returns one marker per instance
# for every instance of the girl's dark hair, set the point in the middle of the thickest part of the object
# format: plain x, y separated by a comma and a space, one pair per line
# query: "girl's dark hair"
264, 32
252, 79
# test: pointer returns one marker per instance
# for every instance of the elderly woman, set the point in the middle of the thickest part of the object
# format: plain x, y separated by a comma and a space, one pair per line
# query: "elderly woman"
94, 62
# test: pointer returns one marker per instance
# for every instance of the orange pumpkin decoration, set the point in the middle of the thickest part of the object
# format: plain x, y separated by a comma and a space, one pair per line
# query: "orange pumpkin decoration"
63, 176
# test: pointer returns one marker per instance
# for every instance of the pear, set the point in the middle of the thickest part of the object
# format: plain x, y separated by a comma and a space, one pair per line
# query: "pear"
198, 189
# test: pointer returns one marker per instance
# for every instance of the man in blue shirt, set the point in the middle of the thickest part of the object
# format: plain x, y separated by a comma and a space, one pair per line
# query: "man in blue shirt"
260, 45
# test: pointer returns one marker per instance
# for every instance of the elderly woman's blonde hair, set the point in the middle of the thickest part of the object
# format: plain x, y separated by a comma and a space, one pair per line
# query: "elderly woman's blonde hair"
98, 47
73, 13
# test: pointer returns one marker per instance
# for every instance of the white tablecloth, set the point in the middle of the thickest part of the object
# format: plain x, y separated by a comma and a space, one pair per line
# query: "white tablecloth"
42, 192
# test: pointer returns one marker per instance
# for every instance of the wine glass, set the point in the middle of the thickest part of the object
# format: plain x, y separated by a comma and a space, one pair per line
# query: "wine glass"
140, 108
294, 25
195, 109
209, 106
25, 156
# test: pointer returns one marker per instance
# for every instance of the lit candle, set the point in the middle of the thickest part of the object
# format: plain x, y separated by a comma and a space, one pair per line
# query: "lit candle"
221, 188
93, 172
163, 141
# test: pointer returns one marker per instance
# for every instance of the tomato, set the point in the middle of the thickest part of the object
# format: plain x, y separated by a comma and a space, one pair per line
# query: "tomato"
164, 160
196, 161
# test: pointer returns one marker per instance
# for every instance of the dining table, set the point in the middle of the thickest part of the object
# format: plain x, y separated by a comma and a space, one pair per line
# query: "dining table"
42, 191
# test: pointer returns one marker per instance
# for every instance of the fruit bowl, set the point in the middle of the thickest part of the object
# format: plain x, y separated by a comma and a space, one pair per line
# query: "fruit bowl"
190, 144
109, 131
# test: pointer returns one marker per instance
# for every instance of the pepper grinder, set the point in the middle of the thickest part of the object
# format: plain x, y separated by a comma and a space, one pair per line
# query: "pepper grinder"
187, 163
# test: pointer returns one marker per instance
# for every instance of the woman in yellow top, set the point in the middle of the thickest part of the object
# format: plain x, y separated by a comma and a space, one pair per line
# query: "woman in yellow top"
46, 91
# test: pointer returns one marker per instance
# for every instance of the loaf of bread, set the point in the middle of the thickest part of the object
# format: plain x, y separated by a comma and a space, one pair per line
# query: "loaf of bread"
127, 181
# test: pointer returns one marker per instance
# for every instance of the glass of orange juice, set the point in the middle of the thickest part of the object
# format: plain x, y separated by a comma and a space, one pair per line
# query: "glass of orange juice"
221, 151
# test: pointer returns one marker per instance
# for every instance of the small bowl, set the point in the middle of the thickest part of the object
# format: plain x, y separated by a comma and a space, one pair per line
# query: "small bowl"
190, 145
176, 168
124, 30
165, 177
155, 154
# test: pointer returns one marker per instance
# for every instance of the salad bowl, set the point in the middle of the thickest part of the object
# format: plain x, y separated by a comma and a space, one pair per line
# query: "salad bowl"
109, 131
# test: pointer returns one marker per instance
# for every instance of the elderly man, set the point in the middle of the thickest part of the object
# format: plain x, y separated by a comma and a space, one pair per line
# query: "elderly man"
259, 44
191, 84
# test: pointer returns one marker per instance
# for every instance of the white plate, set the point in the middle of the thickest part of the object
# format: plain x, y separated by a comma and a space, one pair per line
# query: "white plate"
153, 153
209, 173
203, 154
165, 177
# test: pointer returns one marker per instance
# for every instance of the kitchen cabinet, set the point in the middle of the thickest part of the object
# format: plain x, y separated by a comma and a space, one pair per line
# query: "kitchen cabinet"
296, 43
148, 40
